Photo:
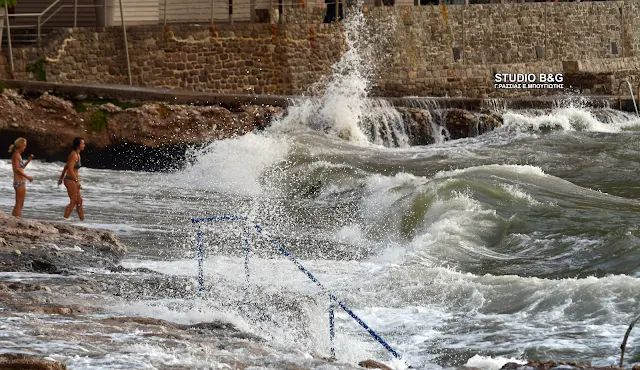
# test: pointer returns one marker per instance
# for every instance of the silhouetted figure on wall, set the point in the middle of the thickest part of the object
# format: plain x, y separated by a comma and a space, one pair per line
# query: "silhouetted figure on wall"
331, 11
429, 2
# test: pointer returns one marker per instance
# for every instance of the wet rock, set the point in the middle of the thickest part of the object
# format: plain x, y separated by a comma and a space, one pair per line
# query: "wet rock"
538, 365
371, 364
142, 270
31, 233
419, 125
44, 267
23, 287
262, 116
459, 123
488, 122
139, 320
54, 248
215, 325
15, 361
248, 347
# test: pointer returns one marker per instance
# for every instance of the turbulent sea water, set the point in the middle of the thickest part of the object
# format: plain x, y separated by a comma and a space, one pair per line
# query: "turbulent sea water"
519, 244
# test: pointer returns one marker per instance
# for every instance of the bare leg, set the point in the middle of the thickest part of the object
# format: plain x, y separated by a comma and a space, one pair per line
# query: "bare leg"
72, 189
21, 193
79, 204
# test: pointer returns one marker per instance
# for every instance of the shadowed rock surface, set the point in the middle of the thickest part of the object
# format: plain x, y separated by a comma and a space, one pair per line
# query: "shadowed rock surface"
133, 136
155, 136
14, 361
51, 247
551, 365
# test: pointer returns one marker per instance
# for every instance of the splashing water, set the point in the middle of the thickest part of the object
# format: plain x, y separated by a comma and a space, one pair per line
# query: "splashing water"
343, 108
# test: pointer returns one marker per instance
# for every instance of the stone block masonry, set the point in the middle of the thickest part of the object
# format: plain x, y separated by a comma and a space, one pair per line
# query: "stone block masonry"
428, 51
259, 58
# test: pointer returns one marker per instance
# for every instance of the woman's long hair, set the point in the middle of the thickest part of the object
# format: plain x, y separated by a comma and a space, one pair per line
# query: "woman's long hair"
19, 142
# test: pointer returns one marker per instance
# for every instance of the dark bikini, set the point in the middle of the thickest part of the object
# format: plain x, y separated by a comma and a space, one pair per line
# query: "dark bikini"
77, 167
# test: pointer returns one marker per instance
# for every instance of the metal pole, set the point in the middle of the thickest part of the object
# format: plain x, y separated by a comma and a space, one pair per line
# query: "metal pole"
165, 13
39, 25
212, 7
200, 261
306, 10
287, 254
126, 44
6, 14
332, 331
75, 14
230, 11
105, 13
245, 239
626, 336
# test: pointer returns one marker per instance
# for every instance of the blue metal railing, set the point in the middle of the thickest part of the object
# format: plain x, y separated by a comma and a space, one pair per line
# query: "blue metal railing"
245, 236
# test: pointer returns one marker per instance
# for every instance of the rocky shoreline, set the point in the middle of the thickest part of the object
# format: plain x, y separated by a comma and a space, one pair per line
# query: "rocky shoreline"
120, 135
155, 136
40, 247
79, 253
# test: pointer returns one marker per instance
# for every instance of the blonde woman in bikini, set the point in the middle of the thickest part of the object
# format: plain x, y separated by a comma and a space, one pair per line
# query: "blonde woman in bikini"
71, 180
19, 176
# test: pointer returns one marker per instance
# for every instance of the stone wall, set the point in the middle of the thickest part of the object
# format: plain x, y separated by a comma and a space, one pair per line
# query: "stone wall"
427, 50
259, 58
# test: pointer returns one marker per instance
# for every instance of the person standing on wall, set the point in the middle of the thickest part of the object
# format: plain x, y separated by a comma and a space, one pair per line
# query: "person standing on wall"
19, 176
71, 179
330, 16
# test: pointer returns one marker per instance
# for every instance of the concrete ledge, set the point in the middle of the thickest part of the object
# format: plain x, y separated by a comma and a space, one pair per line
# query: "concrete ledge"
137, 93
231, 101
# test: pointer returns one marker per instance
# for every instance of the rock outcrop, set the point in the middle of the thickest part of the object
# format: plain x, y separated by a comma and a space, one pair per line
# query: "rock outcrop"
550, 365
16, 361
124, 136
155, 136
50, 247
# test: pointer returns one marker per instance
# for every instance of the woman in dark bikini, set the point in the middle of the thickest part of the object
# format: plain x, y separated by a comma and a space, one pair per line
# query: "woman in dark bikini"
72, 181
19, 176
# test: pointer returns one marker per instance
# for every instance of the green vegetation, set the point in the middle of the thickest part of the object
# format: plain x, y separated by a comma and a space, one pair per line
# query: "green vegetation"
82, 106
1, 88
38, 69
10, 3
98, 121
163, 110
79, 106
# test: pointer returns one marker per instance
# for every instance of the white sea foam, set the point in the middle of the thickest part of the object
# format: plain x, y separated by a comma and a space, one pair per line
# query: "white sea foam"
491, 363
568, 119
499, 168
234, 165
517, 193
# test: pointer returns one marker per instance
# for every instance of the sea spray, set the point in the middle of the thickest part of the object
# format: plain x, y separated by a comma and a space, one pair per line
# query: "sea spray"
339, 103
